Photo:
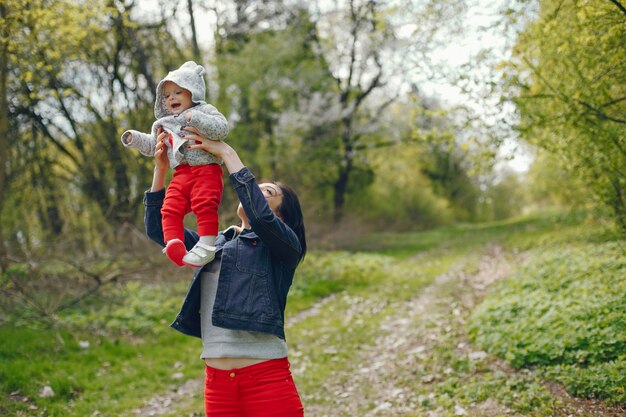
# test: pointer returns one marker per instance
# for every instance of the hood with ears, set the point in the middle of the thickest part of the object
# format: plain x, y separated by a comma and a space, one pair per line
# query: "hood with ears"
190, 77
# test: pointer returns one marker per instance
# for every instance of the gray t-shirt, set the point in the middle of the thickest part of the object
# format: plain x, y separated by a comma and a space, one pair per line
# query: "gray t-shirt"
218, 342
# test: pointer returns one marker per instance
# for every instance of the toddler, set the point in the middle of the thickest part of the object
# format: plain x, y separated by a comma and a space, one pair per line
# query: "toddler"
197, 182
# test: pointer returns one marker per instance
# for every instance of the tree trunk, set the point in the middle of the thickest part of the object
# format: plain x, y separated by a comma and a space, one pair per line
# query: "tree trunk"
194, 35
4, 128
122, 206
345, 169
341, 186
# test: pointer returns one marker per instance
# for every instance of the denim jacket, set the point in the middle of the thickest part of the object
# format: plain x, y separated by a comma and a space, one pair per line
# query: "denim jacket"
257, 265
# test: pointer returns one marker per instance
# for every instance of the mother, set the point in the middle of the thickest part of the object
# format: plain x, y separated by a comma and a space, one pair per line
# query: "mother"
236, 303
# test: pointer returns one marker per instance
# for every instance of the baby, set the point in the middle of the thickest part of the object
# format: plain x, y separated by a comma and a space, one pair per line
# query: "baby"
197, 182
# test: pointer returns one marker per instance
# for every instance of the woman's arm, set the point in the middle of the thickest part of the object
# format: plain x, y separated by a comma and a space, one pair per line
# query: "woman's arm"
273, 231
160, 163
280, 238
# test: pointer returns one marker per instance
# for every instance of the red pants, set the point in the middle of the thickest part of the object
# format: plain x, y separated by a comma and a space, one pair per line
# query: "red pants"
262, 390
193, 188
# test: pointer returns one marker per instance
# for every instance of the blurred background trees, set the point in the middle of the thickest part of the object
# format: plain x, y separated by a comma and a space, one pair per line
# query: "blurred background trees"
328, 97
567, 78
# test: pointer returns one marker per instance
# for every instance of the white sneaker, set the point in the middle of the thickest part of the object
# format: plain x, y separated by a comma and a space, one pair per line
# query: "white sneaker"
199, 255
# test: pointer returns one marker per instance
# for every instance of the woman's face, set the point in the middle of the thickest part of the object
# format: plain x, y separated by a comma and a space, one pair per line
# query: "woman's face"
273, 196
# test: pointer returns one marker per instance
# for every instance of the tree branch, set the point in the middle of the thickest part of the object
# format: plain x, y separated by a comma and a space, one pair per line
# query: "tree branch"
619, 6
601, 115
375, 83
610, 103
565, 98
43, 126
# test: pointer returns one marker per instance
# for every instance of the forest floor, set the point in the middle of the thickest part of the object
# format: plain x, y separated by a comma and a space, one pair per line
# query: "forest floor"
398, 350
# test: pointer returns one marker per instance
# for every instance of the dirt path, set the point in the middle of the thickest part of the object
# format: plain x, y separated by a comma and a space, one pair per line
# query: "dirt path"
405, 340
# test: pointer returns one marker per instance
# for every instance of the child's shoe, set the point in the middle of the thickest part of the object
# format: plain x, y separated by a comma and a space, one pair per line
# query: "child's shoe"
199, 255
175, 250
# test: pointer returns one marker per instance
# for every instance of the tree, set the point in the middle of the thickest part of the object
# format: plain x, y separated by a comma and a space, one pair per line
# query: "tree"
372, 65
264, 72
75, 77
39, 38
568, 79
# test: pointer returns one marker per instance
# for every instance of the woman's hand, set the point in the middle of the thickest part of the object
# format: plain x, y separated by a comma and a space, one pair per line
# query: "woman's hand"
160, 152
160, 162
218, 148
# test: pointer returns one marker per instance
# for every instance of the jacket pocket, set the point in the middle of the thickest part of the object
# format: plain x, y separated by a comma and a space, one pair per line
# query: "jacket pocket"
252, 257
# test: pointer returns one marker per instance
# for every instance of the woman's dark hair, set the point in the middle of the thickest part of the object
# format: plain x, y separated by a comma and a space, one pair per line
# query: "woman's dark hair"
291, 213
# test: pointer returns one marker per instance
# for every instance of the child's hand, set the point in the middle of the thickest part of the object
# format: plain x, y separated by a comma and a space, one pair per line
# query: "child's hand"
188, 116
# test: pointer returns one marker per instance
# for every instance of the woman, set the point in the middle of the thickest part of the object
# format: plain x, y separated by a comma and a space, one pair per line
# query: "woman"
236, 303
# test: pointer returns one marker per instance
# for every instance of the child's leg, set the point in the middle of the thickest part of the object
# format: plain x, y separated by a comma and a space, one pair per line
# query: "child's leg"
206, 194
175, 206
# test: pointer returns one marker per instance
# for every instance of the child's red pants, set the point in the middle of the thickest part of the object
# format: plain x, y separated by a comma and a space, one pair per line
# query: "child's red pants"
196, 189
262, 390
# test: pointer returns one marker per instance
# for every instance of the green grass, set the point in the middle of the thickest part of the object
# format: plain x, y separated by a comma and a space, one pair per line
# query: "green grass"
127, 353
110, 376
133, 355
522, 231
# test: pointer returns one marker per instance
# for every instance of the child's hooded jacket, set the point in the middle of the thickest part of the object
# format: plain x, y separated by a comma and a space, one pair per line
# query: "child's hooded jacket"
205, 117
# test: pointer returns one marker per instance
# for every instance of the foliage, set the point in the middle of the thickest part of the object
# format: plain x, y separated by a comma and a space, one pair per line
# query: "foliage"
567, 78
507, 197
389, 203
38, 39
564, 312
549, 185
264, 83
77, 77
605, 381
46, 282
66, 87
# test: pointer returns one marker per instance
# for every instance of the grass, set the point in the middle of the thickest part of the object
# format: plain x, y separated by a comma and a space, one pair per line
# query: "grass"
469, 236
133, 355
110, 376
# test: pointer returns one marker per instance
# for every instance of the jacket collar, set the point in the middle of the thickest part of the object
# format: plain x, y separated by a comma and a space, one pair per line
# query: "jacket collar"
248, 234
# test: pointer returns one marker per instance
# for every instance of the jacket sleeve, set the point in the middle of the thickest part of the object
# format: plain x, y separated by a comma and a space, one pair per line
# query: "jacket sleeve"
153, 201
210, 122
142, 142
279, 237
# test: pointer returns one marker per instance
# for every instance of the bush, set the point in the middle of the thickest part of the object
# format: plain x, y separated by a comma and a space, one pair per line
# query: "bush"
564, 311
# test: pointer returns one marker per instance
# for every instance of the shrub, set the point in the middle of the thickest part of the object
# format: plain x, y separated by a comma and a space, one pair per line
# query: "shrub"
564, 310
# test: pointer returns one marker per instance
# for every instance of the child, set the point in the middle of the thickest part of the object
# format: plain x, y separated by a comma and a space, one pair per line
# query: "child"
197, 182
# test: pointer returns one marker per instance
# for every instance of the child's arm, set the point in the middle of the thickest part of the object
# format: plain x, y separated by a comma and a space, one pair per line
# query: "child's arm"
142, 142
209, 121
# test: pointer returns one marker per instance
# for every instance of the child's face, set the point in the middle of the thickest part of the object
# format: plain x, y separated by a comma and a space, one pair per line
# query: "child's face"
176, 99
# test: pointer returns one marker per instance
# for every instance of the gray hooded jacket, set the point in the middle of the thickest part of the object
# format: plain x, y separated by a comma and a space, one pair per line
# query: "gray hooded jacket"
205, 117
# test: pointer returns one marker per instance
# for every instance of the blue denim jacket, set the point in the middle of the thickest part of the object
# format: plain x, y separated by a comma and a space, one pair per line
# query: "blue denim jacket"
257, 265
